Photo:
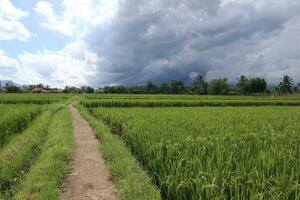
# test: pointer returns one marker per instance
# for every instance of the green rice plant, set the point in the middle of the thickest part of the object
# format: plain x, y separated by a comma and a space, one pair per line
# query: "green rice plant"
15, 119
32, 98
184, 97
184, 103
131, 180
214, 153
46, 176
19, 154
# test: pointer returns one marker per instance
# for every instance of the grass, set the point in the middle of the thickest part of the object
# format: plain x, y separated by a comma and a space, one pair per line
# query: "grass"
214, 153
15, 120
19, 154
47, 175
184, 103
40, 99
219, 150
132, 182
184, 97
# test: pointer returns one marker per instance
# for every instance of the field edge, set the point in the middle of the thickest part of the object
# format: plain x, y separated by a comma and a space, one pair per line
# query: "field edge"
131, 180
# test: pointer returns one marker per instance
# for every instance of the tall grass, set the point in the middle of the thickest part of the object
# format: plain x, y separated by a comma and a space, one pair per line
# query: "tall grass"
19, 154
14, 119
185, 97
184, 103
45, 178
214, 153
132, 182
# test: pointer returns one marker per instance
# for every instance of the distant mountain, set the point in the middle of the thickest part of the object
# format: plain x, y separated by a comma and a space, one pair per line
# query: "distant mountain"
5, 82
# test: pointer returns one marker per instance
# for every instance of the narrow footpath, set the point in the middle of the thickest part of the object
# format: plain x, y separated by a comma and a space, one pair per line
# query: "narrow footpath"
89, 178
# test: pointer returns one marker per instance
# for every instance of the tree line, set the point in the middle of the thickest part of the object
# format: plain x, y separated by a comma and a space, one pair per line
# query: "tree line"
200, 86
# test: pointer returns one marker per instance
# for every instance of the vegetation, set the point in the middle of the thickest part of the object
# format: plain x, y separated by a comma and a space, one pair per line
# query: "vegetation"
218, 87
17, 156
218, 153
221, 86
253, 85
15, 120
285, 86
132, 182
54, 158
185, 103
189, 153
31, 98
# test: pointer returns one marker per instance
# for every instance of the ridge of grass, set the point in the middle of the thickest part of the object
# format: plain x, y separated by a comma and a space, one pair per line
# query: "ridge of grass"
185, 103
47, 175
19, 154
131, 180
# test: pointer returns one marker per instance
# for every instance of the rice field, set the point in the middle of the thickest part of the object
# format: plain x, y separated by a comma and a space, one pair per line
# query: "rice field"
15, 118
214, 153
189, 103
157, 146
34, 138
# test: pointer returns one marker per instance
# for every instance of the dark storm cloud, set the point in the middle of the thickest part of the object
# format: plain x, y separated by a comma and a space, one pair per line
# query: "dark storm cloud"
162, 40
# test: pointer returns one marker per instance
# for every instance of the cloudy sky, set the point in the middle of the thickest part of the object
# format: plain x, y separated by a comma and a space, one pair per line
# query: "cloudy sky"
108, 42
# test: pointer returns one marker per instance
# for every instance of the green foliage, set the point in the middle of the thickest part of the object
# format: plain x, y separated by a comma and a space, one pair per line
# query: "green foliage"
15, 119
218, 87
285, 86
215, 153
72, 89
151, 88
177, 87
47, 174
243, 85
184, 97
164, 88
252, 85
199, 85
31, 98
132, 182
18, 155
12, 89
87, 89
257, 85
185, 103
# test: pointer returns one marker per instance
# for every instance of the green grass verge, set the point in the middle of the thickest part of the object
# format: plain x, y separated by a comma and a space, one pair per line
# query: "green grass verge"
47, 175
132, 182
19, 154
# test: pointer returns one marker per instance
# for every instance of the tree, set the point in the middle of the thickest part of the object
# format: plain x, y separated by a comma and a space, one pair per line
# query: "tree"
115, 89
164, 88
297, 88
89, 90
218, 87
199, 86
177, 87
285, 86
257, 85
72, 89
151, 87
12, 89
243, 85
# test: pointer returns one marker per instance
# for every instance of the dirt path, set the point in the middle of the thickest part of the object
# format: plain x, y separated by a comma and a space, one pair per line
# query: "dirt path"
89, 178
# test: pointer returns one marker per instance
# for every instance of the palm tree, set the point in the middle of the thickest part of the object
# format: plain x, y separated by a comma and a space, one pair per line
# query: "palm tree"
286, 85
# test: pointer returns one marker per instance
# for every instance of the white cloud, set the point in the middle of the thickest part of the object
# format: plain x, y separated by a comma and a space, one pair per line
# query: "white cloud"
77, 17
10, 26
8, 66
72, 65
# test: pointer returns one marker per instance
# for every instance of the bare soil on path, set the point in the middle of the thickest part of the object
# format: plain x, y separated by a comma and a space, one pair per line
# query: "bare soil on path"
89, 178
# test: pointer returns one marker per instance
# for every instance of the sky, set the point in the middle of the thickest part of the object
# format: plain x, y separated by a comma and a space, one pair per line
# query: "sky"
112, 42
